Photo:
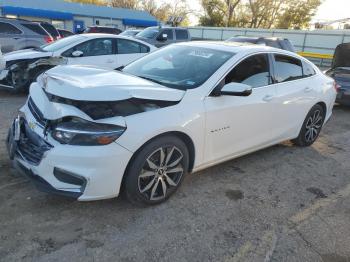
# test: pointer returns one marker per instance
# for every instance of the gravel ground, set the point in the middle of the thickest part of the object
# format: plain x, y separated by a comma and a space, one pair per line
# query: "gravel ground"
280, 204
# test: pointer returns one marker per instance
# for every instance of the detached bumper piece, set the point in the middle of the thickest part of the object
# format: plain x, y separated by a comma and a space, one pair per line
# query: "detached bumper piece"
31, 147
42, 185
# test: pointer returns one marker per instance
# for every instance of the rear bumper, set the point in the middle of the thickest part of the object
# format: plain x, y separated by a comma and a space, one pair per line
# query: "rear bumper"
343, 97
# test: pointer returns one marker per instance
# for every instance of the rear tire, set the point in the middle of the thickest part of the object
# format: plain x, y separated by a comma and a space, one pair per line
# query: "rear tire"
311, 127
157, 171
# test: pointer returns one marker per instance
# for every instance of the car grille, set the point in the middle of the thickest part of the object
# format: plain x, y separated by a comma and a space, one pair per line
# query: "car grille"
31, 147
39, 117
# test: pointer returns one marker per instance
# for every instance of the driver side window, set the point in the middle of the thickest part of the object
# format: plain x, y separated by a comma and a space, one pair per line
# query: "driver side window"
95, 47
253, 71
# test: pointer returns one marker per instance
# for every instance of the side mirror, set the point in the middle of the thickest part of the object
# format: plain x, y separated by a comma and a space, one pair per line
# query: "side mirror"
77, 53
236, 89
162, 37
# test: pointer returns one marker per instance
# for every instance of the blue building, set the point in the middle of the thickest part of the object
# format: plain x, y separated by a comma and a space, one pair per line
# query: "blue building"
75, 16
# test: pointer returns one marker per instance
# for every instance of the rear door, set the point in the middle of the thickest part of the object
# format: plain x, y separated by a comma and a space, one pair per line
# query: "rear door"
295, 93
96, 52
128, 51
10, 37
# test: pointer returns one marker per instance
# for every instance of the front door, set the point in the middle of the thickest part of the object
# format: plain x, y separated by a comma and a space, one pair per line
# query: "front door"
96, 52
238, 124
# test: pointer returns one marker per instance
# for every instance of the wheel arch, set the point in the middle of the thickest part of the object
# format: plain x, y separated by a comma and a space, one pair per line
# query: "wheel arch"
324, 106
181, 135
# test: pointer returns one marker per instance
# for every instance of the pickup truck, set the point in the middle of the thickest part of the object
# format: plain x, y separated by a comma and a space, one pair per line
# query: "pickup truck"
162, 36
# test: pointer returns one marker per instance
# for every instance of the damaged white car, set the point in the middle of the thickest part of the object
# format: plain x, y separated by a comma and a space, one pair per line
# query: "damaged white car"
100, 50
86, 132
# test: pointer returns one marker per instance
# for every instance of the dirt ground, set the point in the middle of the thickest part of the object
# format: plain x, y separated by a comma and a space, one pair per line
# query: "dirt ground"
283, 203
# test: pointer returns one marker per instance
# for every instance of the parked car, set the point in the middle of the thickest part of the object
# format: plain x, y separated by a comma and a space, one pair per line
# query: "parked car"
50, 29
162, 36
64, 33
130, 32
277, 42
103, 29
101, 50
16, 34
85, 132
340, 72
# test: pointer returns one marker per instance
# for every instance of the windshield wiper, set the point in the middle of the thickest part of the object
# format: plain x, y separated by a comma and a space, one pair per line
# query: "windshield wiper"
151, 79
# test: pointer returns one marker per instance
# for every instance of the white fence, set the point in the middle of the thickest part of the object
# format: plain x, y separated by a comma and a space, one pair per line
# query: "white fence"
321, 42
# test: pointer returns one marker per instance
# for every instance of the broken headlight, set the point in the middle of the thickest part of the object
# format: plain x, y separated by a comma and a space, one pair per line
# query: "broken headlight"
76, 131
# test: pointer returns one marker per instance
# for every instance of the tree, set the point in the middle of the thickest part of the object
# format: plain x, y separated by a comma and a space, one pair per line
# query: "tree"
130, 4
92, 2
218, 12
298, 14
259, 13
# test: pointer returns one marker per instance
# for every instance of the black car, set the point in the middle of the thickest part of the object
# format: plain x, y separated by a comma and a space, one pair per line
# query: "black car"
340, 72
103, 29
64, 33
50, 29
277, 42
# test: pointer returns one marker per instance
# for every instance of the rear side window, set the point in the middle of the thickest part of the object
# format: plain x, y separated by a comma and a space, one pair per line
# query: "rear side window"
308, 69
51, 29
181, 34
287, 68
253, 71
35, 28
130, 47
6, 28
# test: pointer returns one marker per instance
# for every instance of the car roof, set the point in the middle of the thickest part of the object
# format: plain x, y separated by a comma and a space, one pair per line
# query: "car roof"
235, 47
105, 35
258, 37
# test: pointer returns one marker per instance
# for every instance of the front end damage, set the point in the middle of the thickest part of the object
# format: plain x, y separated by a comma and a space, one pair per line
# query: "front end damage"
19, 74
75, 150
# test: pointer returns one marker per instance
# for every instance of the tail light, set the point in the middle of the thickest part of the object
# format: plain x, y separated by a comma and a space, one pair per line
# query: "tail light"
48, 39
336, 86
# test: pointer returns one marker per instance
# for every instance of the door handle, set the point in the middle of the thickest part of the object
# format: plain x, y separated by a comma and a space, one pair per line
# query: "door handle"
308, 89
268, 98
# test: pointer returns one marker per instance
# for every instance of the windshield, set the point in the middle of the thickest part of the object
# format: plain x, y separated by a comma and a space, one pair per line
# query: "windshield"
178, 66
149, 33
57, 45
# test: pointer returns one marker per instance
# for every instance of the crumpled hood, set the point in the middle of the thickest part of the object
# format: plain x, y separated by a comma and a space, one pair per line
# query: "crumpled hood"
88, 83
25, 54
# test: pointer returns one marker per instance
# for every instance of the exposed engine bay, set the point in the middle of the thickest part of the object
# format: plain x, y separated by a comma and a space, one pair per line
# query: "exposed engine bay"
19, 74
106, 109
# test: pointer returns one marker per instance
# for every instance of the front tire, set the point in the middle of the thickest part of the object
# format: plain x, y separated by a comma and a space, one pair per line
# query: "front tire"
311, 127
157, 170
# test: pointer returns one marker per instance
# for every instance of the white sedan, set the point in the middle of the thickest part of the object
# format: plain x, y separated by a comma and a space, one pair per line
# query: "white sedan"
86, 132
100, 50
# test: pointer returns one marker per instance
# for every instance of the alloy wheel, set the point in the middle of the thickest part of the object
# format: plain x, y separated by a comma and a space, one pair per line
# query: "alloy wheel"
161, 172
313, 126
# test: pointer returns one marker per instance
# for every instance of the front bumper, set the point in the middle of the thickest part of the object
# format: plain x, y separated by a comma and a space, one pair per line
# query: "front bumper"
82, 172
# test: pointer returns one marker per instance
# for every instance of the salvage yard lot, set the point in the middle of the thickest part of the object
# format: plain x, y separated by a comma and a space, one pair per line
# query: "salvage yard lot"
283, 203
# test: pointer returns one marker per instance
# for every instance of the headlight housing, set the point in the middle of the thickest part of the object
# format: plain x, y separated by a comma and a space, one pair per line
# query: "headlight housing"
77, 131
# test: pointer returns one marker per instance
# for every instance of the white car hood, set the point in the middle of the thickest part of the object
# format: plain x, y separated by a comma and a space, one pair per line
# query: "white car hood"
95, 84
25, 54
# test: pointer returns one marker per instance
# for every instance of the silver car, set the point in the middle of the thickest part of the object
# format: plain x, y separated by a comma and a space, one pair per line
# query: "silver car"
16, 34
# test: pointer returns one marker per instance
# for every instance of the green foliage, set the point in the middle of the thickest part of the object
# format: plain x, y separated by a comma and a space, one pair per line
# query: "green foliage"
259, 13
